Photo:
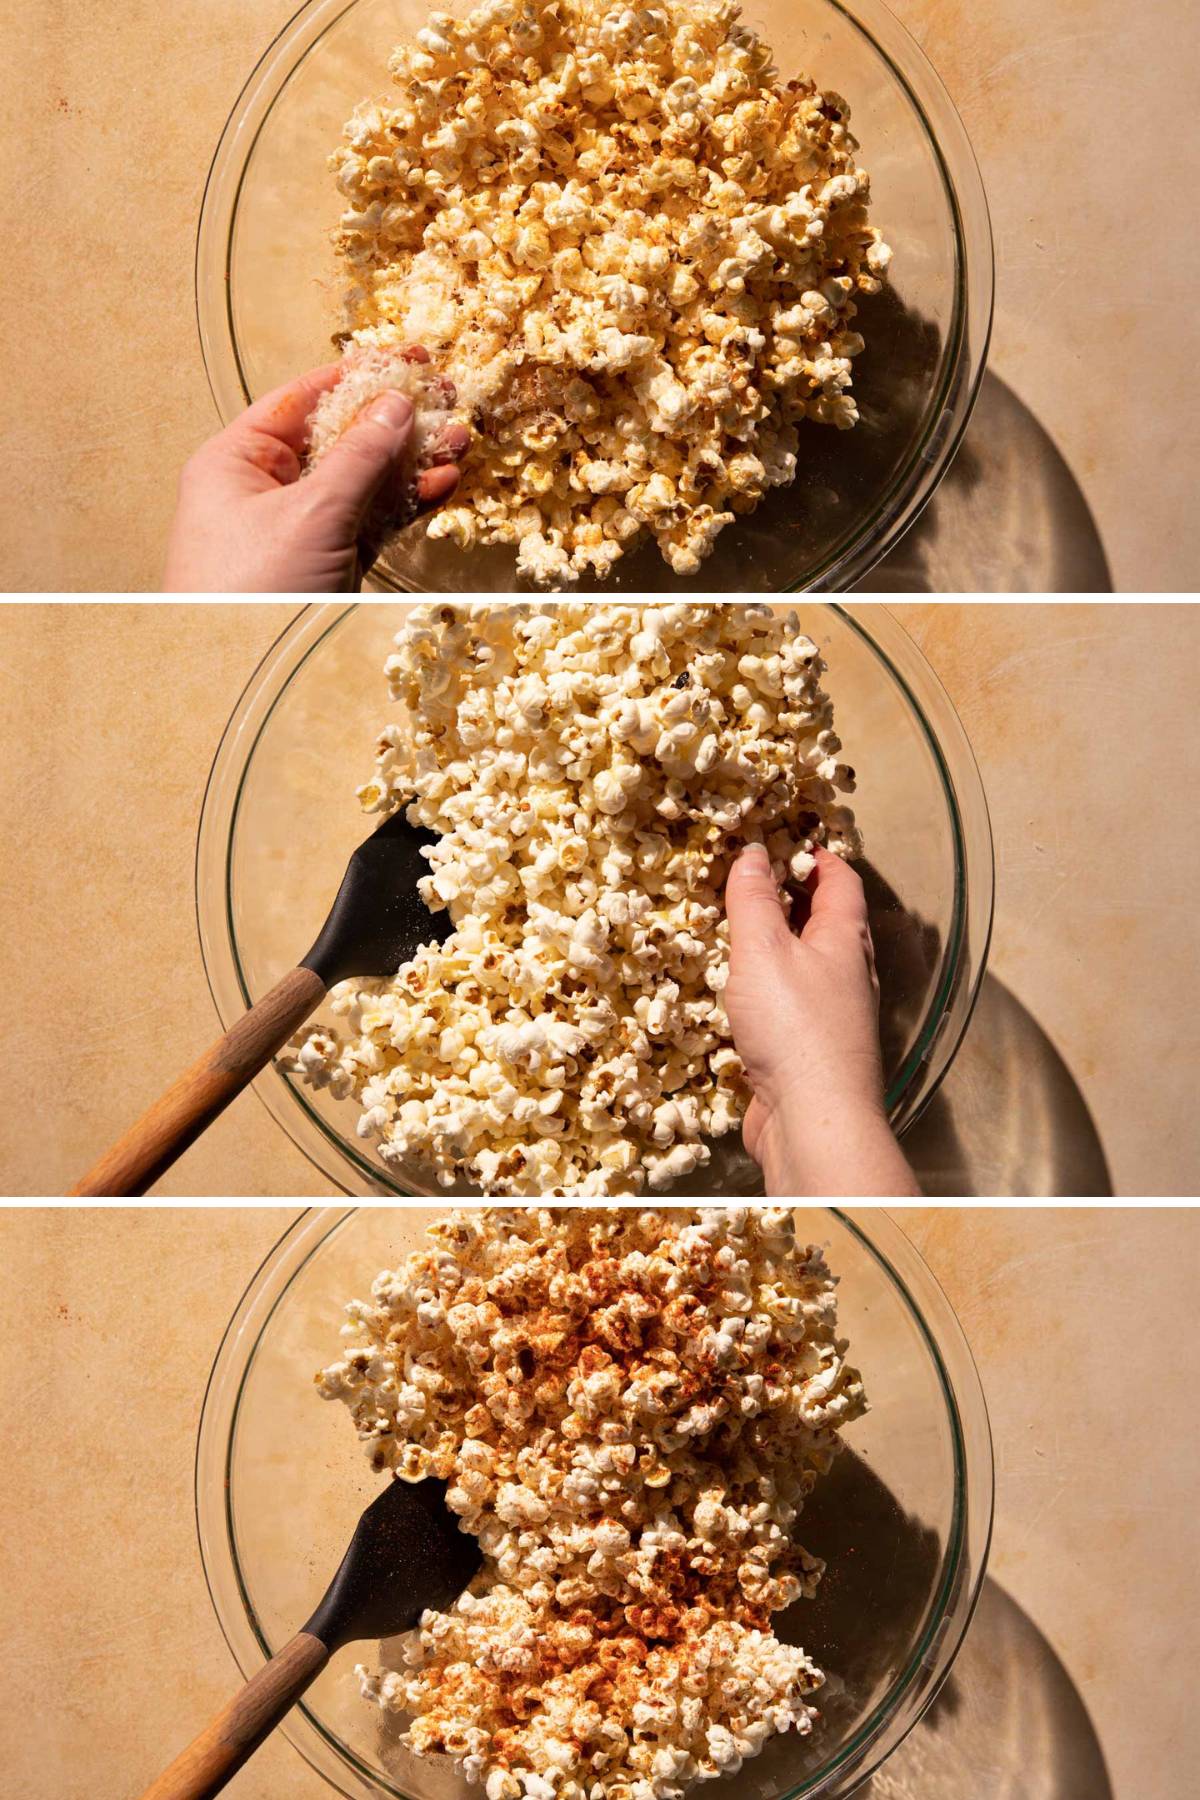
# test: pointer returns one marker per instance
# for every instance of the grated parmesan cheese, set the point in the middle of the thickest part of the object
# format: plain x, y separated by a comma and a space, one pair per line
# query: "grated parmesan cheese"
368, 372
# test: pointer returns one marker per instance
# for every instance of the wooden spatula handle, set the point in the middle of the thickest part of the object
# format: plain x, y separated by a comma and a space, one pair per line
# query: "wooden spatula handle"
237, 1731
176, 1120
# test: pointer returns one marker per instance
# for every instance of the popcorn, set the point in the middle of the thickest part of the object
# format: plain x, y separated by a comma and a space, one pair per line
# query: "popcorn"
629, 1409
591, 770
633, 250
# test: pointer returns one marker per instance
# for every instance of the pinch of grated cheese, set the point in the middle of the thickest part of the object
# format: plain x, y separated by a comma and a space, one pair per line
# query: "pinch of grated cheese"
368, 372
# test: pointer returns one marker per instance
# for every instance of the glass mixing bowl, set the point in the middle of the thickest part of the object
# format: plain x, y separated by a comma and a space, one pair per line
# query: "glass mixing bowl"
903, 1519
268, 287
280, 820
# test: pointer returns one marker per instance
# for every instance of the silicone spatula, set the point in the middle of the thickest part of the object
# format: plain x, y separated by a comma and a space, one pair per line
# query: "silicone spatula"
376, 923
407, 1553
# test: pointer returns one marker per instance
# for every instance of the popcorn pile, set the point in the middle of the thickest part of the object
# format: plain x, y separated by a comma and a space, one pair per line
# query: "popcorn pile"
630, 1409
633, 249
592, 770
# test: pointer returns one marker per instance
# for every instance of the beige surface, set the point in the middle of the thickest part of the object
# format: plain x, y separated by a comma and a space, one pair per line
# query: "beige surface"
1072, 1684
1080, 1065
116, 109
1085, 1046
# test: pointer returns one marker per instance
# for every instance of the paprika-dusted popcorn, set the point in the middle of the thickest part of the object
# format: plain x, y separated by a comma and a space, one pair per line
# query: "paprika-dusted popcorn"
629, 1409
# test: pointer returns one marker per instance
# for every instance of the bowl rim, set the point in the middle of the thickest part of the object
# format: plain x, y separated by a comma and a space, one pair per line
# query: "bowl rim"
964, 357
964, 1560
948, 1011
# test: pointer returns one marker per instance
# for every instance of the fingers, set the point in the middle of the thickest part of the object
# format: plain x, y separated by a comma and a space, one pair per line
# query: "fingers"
284, 412
836, 901
756, 920
352, 472
263, 447
837, 918
271, 436
838, 896
435, 486
453, 444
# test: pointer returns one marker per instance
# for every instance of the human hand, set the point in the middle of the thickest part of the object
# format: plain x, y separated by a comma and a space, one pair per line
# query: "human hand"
246, 523
804, 1011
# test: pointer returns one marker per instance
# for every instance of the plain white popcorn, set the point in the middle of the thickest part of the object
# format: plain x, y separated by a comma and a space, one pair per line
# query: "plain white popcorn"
634, 249
630, 1409
592, 769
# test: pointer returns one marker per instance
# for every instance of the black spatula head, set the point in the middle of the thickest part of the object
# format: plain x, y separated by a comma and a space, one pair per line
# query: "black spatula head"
379, 919
407, 1553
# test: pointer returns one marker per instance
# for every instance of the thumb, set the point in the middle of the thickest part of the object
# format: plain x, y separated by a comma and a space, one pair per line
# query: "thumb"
352, 472
756, 919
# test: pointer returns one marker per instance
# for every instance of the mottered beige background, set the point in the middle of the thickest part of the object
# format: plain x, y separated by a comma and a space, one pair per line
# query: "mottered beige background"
1072, 1683
1078, 1073
1080, 465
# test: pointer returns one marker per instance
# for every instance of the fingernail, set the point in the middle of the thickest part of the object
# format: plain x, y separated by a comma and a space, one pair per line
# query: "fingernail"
754, 853
391, 409
436, 485
455, 440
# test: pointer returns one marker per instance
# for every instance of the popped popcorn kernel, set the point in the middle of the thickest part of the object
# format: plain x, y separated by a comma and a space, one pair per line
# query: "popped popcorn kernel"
633, 249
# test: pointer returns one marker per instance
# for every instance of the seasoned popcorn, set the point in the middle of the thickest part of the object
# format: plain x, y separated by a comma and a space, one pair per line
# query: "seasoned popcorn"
592, 770
630, 1409
634, 250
